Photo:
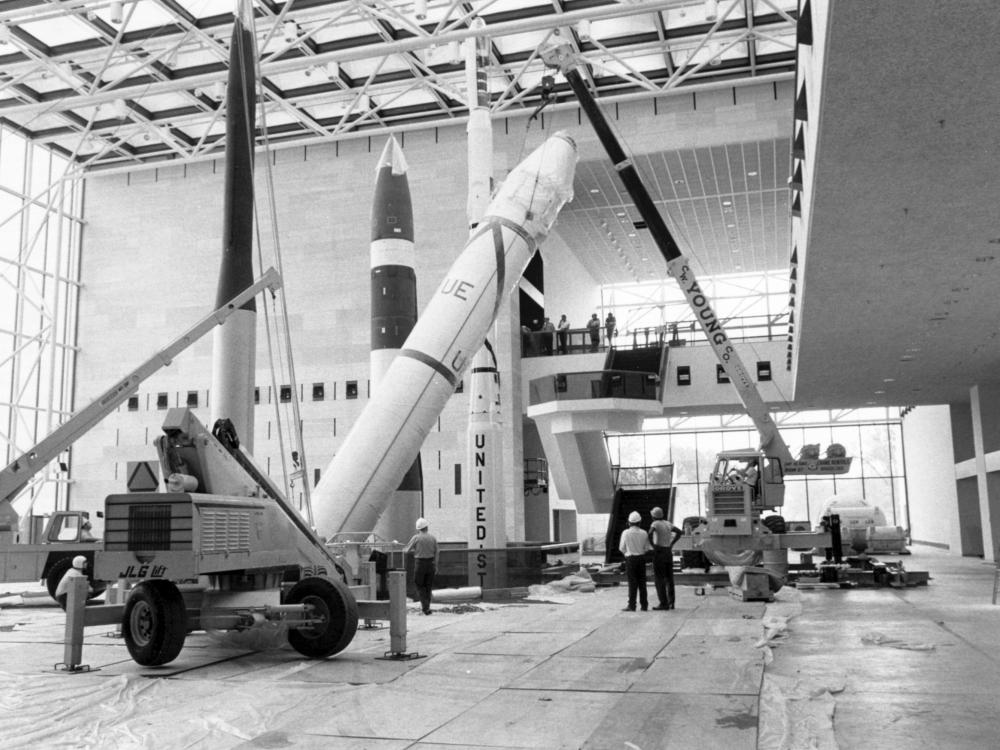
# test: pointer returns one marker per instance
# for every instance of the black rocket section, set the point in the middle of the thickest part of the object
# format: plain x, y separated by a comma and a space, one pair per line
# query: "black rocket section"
236, 272
393, 285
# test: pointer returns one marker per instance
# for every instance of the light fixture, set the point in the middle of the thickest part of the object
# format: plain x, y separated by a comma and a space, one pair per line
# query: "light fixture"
332, 70
117, 7
364, 101
713, 53
711, 10
583, 29
290, 31
4, 34
218, 90
454, 53
120, 108
420, 9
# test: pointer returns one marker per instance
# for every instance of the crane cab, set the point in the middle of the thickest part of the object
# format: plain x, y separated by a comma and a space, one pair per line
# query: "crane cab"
743, 484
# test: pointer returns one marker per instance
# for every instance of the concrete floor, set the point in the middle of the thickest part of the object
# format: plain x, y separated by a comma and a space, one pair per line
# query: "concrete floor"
846, 669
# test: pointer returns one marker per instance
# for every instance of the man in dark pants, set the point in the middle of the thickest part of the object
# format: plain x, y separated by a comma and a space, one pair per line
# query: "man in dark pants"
663, 534
424, 546
634, 545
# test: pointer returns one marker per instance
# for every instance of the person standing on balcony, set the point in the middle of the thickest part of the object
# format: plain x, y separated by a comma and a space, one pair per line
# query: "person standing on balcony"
562, 330
594, 326
609, 327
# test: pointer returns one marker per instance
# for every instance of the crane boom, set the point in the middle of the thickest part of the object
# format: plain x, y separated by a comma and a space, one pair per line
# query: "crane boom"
19, 472
561, 56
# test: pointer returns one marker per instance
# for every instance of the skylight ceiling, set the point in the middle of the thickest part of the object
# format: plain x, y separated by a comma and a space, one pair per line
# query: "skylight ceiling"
118, 86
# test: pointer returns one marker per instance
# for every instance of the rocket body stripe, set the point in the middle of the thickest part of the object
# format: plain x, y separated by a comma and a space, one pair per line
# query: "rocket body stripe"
235, 344
436, 365
404, 407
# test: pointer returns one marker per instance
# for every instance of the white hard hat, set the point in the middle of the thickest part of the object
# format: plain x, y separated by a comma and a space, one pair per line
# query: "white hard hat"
422, 523
634, 517
656, 512
79, 562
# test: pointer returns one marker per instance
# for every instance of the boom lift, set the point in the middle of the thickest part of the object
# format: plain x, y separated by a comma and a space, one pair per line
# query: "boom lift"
743, 483
48, 561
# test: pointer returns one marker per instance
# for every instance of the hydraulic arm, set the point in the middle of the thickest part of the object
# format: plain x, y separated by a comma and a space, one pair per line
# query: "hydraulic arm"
19, 472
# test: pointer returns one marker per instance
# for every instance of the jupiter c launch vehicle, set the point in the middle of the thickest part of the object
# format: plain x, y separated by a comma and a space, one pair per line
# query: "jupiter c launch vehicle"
356, 487
234, 345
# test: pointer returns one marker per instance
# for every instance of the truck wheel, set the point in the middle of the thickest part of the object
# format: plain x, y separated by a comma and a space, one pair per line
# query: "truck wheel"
58, 570
155, 623
335, 607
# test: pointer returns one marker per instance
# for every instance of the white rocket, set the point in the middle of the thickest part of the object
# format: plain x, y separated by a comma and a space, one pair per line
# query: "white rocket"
382, 444
484, 469
484, 453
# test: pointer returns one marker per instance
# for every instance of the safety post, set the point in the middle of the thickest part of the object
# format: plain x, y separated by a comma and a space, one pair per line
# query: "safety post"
397, 618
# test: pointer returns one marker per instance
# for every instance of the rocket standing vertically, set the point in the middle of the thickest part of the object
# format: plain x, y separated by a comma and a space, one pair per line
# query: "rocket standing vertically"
484, 454
234, 345
391, 428
394, 311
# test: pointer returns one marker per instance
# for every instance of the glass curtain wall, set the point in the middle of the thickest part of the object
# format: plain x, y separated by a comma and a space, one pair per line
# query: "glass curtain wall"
872, 436
40, 226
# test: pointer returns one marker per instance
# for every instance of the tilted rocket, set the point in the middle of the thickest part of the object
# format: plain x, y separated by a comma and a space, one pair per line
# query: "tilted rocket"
394, 311
234, 345
359, 481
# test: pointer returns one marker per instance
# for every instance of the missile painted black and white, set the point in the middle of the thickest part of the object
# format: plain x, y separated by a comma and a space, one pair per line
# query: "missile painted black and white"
394, 312
484, 462
234, 345
390, 430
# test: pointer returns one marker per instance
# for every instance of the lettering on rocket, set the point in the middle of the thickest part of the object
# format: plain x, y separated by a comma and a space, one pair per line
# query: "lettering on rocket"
457, 288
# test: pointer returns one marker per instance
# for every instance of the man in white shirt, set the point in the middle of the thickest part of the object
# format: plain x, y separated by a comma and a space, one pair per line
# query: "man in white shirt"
634, 545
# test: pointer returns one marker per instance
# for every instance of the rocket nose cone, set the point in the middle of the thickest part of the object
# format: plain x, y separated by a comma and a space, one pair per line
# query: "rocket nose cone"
566, 137
392, 156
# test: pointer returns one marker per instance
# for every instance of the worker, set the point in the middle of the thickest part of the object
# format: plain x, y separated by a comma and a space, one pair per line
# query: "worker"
78, 570
634, 545
662, 535
424, 546
86, 533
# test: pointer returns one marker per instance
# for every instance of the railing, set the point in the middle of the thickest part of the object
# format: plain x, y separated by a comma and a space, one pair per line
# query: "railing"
642, 476
578, 340
572, 386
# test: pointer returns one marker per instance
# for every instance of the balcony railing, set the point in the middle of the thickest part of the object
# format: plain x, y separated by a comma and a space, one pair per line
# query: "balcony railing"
573, 386
578, 341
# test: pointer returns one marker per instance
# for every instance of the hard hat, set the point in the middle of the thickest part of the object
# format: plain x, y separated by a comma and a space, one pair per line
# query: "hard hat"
422, 523
656, 512
79, 562
634, 517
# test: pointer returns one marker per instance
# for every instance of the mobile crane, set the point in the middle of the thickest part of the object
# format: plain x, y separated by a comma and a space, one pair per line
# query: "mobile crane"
744, 483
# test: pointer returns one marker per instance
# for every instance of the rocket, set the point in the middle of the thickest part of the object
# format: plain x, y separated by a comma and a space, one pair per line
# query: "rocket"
394, 311
484, 452
479, 128
484, 462
358, 482
234, 345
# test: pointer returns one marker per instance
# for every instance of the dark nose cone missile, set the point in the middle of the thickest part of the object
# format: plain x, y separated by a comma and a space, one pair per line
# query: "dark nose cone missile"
393, 425
234, 345
394, 311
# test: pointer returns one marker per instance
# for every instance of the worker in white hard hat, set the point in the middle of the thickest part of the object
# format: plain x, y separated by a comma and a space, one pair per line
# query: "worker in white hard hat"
424, 546
634, 545
663, 534
78, 570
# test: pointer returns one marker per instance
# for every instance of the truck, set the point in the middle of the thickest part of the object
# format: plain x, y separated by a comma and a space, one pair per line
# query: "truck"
65, 533
744, 483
